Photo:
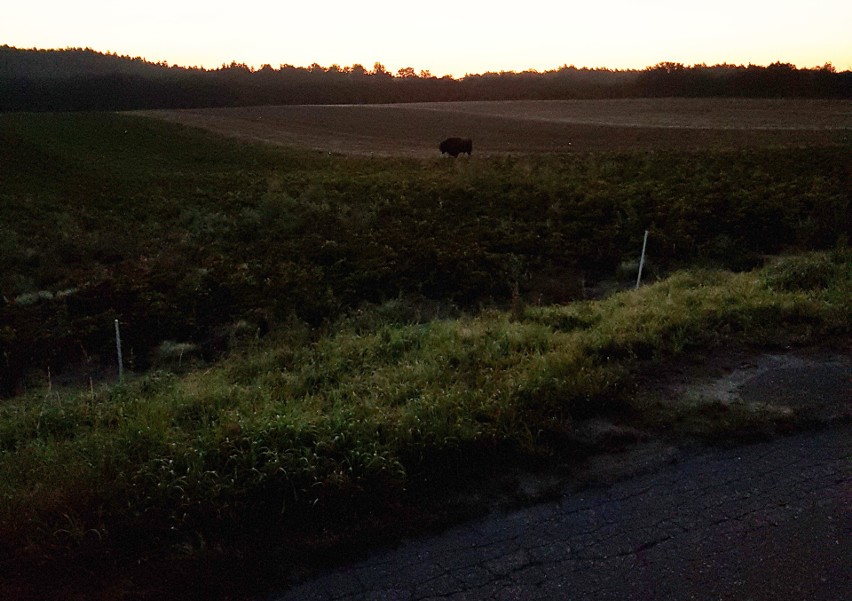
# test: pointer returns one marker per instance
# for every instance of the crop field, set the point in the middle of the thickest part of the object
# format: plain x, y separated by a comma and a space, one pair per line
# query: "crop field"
326, 349
181, 232
521, 127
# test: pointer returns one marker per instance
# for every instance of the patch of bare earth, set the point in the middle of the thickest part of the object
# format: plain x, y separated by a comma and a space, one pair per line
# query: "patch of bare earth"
815, 383
531, 127
779, 392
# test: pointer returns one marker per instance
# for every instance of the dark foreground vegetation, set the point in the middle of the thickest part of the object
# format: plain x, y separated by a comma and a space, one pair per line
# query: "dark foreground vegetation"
389, 326
78, 79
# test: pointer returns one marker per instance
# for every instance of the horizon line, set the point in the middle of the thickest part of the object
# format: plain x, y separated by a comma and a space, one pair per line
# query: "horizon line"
258, 67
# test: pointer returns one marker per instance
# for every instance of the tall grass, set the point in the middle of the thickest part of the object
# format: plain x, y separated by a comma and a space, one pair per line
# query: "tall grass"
300, 434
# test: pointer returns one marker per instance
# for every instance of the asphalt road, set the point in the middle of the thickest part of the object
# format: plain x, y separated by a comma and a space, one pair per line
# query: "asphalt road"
768, 521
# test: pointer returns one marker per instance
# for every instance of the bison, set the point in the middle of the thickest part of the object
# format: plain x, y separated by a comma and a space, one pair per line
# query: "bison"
455, 146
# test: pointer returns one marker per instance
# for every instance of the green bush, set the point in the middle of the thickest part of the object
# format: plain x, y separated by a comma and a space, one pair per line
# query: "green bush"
811, 271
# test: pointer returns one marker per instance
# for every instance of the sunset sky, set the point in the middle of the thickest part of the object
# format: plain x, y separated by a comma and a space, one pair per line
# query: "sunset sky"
444, 36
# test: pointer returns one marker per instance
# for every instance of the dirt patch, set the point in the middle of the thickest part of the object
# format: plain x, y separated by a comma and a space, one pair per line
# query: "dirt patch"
684, 113
532, 127
739, 396
817, 383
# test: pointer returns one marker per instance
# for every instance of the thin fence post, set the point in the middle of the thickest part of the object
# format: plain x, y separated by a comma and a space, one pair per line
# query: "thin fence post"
642, 260
118, 352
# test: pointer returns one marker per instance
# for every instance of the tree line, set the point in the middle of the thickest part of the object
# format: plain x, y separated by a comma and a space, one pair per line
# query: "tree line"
83, 79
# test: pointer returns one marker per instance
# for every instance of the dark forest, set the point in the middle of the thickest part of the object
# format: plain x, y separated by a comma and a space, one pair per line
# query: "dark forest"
82, 79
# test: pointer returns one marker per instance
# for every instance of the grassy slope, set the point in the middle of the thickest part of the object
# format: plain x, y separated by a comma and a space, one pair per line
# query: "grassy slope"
293, 439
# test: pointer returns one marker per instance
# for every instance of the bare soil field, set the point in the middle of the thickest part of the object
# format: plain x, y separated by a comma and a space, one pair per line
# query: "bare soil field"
521, 127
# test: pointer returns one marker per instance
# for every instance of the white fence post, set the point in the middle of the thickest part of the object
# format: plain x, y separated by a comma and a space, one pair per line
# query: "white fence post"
118, 352
642, 260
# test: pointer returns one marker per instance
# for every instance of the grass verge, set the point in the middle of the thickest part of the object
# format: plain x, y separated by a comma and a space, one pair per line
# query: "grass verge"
300, 446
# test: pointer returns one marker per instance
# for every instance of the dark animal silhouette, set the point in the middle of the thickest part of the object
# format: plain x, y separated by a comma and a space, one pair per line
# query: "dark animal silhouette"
455, 146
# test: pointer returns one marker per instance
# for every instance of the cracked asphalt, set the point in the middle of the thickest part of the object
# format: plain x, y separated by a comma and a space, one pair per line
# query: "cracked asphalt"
768, 521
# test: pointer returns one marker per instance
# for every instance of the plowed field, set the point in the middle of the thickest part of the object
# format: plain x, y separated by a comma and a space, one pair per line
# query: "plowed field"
534, 126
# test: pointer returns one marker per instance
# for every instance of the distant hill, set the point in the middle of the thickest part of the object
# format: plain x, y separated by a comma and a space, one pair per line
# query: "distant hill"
84, 79
73, 62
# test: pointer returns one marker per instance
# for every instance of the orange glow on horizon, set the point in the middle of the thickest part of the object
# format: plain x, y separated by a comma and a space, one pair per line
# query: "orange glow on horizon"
446, 37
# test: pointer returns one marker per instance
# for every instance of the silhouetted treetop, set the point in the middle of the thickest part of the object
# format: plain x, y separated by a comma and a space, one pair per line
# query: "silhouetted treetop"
83, 79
